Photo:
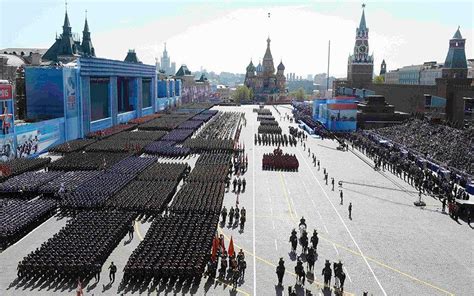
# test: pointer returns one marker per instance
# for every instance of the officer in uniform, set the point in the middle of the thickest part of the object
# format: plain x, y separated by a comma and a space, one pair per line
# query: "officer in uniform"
280, 271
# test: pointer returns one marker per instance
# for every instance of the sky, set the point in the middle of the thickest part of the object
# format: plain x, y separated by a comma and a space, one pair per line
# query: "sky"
226, 35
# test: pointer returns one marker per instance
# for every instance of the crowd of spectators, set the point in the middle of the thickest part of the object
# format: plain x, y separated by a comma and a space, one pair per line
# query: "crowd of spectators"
425, 176
446, 145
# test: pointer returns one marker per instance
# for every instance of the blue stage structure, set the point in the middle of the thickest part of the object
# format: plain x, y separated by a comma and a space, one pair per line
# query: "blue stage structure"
337, 114
7, 117
67, 102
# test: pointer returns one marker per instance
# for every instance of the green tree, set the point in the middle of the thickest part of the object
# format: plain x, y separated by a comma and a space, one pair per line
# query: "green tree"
379, 79
242, 93
299, 94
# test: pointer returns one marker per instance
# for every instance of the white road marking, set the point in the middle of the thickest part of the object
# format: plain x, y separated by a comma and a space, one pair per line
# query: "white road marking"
293, 204
273, 223
345, 226
319, 214
271, 211
337, 252
253, 216
276, 245
347, 273
320, 217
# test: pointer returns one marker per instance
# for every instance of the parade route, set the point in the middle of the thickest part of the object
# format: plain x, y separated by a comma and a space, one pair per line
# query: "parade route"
389, 247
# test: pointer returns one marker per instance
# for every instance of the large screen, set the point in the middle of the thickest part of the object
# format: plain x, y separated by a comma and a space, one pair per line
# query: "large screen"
44, 93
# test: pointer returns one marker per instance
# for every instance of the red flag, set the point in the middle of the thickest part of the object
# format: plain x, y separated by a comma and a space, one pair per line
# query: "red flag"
215, 245
231, 247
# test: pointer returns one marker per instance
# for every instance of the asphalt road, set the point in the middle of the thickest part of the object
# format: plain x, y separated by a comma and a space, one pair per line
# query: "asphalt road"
390, 247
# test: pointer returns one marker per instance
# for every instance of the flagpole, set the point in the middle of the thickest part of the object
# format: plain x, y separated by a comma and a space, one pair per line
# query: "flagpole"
329, 57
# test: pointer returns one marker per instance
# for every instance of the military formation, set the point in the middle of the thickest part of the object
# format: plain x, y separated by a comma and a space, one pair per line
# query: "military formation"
175, 247
19, 217
275, 140
309, 255
225, 264
78, 250
278, 161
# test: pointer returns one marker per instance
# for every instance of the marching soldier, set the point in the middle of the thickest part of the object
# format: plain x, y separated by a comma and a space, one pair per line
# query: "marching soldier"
243, 212
237, 215
224, 215
280, 271
113, 270
315, 239
231, 216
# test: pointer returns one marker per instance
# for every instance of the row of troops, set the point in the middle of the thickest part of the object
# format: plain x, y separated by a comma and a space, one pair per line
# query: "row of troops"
280, 161
275, 140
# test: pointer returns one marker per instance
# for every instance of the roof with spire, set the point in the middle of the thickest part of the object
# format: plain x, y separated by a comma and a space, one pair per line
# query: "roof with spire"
66, 21
362, 25
132, 57
250, 67
165, 52
203, 78
183, 71
86, 26
281, 66
259, 67
457, 35
456, 57
268, 53
87, 48
67, 47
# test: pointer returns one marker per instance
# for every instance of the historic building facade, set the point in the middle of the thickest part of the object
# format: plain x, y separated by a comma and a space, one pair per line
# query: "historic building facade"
455, 65
67, 47
166, 66
193, 90
265, 84
360, 65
